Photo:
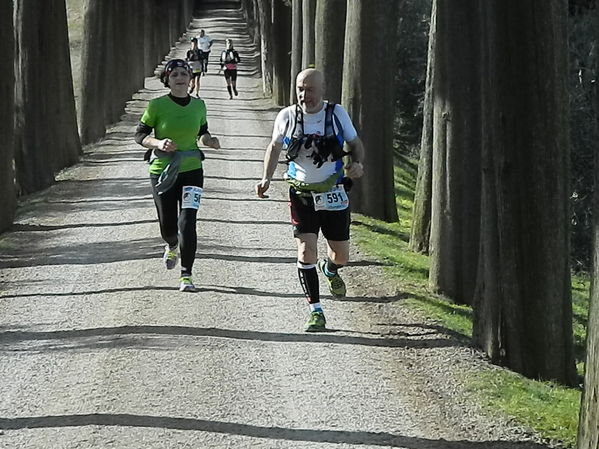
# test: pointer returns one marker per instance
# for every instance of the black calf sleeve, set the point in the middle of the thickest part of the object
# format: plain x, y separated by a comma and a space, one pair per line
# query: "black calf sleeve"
309, 281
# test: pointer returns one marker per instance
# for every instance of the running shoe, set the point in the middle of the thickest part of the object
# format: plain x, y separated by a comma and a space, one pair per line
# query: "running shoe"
170, 257
336, 284
186, 285
316, 323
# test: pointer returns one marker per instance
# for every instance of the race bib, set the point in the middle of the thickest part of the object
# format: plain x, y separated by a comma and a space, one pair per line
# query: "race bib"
335, 199
191, 197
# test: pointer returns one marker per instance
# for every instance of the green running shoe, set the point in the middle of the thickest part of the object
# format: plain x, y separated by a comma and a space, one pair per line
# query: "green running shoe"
170, 257
316, 323
336, 284
186, 285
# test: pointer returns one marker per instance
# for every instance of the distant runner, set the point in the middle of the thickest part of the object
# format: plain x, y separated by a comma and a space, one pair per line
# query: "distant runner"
205, 44
195, 59
229, 59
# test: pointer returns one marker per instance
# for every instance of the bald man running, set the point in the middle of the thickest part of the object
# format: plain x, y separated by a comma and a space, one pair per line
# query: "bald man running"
312, 133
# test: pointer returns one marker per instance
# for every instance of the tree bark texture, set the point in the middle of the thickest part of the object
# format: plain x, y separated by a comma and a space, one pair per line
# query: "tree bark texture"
588, 428
308, 22
46, 123
329, 42
455, 201
421, 212
296, 45
265, 9
7, 92
281, 28
523, 311
370, 36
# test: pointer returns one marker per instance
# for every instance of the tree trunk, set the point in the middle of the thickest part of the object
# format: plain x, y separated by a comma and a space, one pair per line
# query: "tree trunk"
281, 21
296, 45
371, 28
111, 43
256, 22
588, 428
421, 212
94, 70
523, 311
455, 202
329, 37
63, 133
43, 146
7, 90
308, 22
250, 16
265, 45
150, 60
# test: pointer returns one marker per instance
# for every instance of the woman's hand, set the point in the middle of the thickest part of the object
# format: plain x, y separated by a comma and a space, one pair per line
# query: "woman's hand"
214, 143
167, 145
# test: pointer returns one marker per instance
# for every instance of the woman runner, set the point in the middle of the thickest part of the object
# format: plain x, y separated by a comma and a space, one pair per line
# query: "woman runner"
229, 59
176, 171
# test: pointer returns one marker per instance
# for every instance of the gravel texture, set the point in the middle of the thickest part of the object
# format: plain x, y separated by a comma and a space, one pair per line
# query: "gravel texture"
99, 349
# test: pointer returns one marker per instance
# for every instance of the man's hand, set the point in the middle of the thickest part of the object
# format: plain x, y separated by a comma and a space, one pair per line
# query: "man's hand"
262, 187
354, 170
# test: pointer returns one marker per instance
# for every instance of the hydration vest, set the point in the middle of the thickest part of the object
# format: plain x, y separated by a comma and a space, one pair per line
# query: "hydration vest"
323, 147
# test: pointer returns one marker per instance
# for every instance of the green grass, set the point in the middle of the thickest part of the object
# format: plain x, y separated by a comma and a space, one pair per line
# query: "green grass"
549, 409
580, 311
389, 242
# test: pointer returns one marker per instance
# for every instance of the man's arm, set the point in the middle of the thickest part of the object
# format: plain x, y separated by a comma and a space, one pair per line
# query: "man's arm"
355, 169
271, 158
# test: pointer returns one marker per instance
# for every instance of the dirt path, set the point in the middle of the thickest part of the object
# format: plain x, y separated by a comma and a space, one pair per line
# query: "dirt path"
99, 349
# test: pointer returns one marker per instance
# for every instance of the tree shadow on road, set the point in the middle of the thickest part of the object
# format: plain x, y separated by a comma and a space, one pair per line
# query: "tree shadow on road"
169, 337
21, 227
77, 254
274, 433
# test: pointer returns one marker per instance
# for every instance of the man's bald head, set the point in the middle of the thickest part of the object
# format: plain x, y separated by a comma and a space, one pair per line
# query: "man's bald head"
309, 88
315, 76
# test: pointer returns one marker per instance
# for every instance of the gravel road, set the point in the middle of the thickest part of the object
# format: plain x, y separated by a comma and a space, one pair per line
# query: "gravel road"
99, 349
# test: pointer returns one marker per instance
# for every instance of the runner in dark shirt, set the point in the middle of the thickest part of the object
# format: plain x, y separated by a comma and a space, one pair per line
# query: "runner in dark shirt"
195, 59
229, 59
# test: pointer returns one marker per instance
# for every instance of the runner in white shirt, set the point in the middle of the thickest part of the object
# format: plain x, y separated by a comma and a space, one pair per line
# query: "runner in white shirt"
313, 132
204, 44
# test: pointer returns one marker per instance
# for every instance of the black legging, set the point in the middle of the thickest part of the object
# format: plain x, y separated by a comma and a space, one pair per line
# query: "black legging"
178, 226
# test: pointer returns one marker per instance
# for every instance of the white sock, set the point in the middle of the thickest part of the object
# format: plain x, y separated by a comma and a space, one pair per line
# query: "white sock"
316, 307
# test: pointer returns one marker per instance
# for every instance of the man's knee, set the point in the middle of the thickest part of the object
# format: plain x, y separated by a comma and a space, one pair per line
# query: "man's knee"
307, 251
339, 252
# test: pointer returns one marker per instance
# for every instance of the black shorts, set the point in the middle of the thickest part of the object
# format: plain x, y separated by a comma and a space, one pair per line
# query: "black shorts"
196, 74
231, 74
306, 220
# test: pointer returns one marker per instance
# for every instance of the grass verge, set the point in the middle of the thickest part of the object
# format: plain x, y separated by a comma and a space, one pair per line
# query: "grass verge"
549, 409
